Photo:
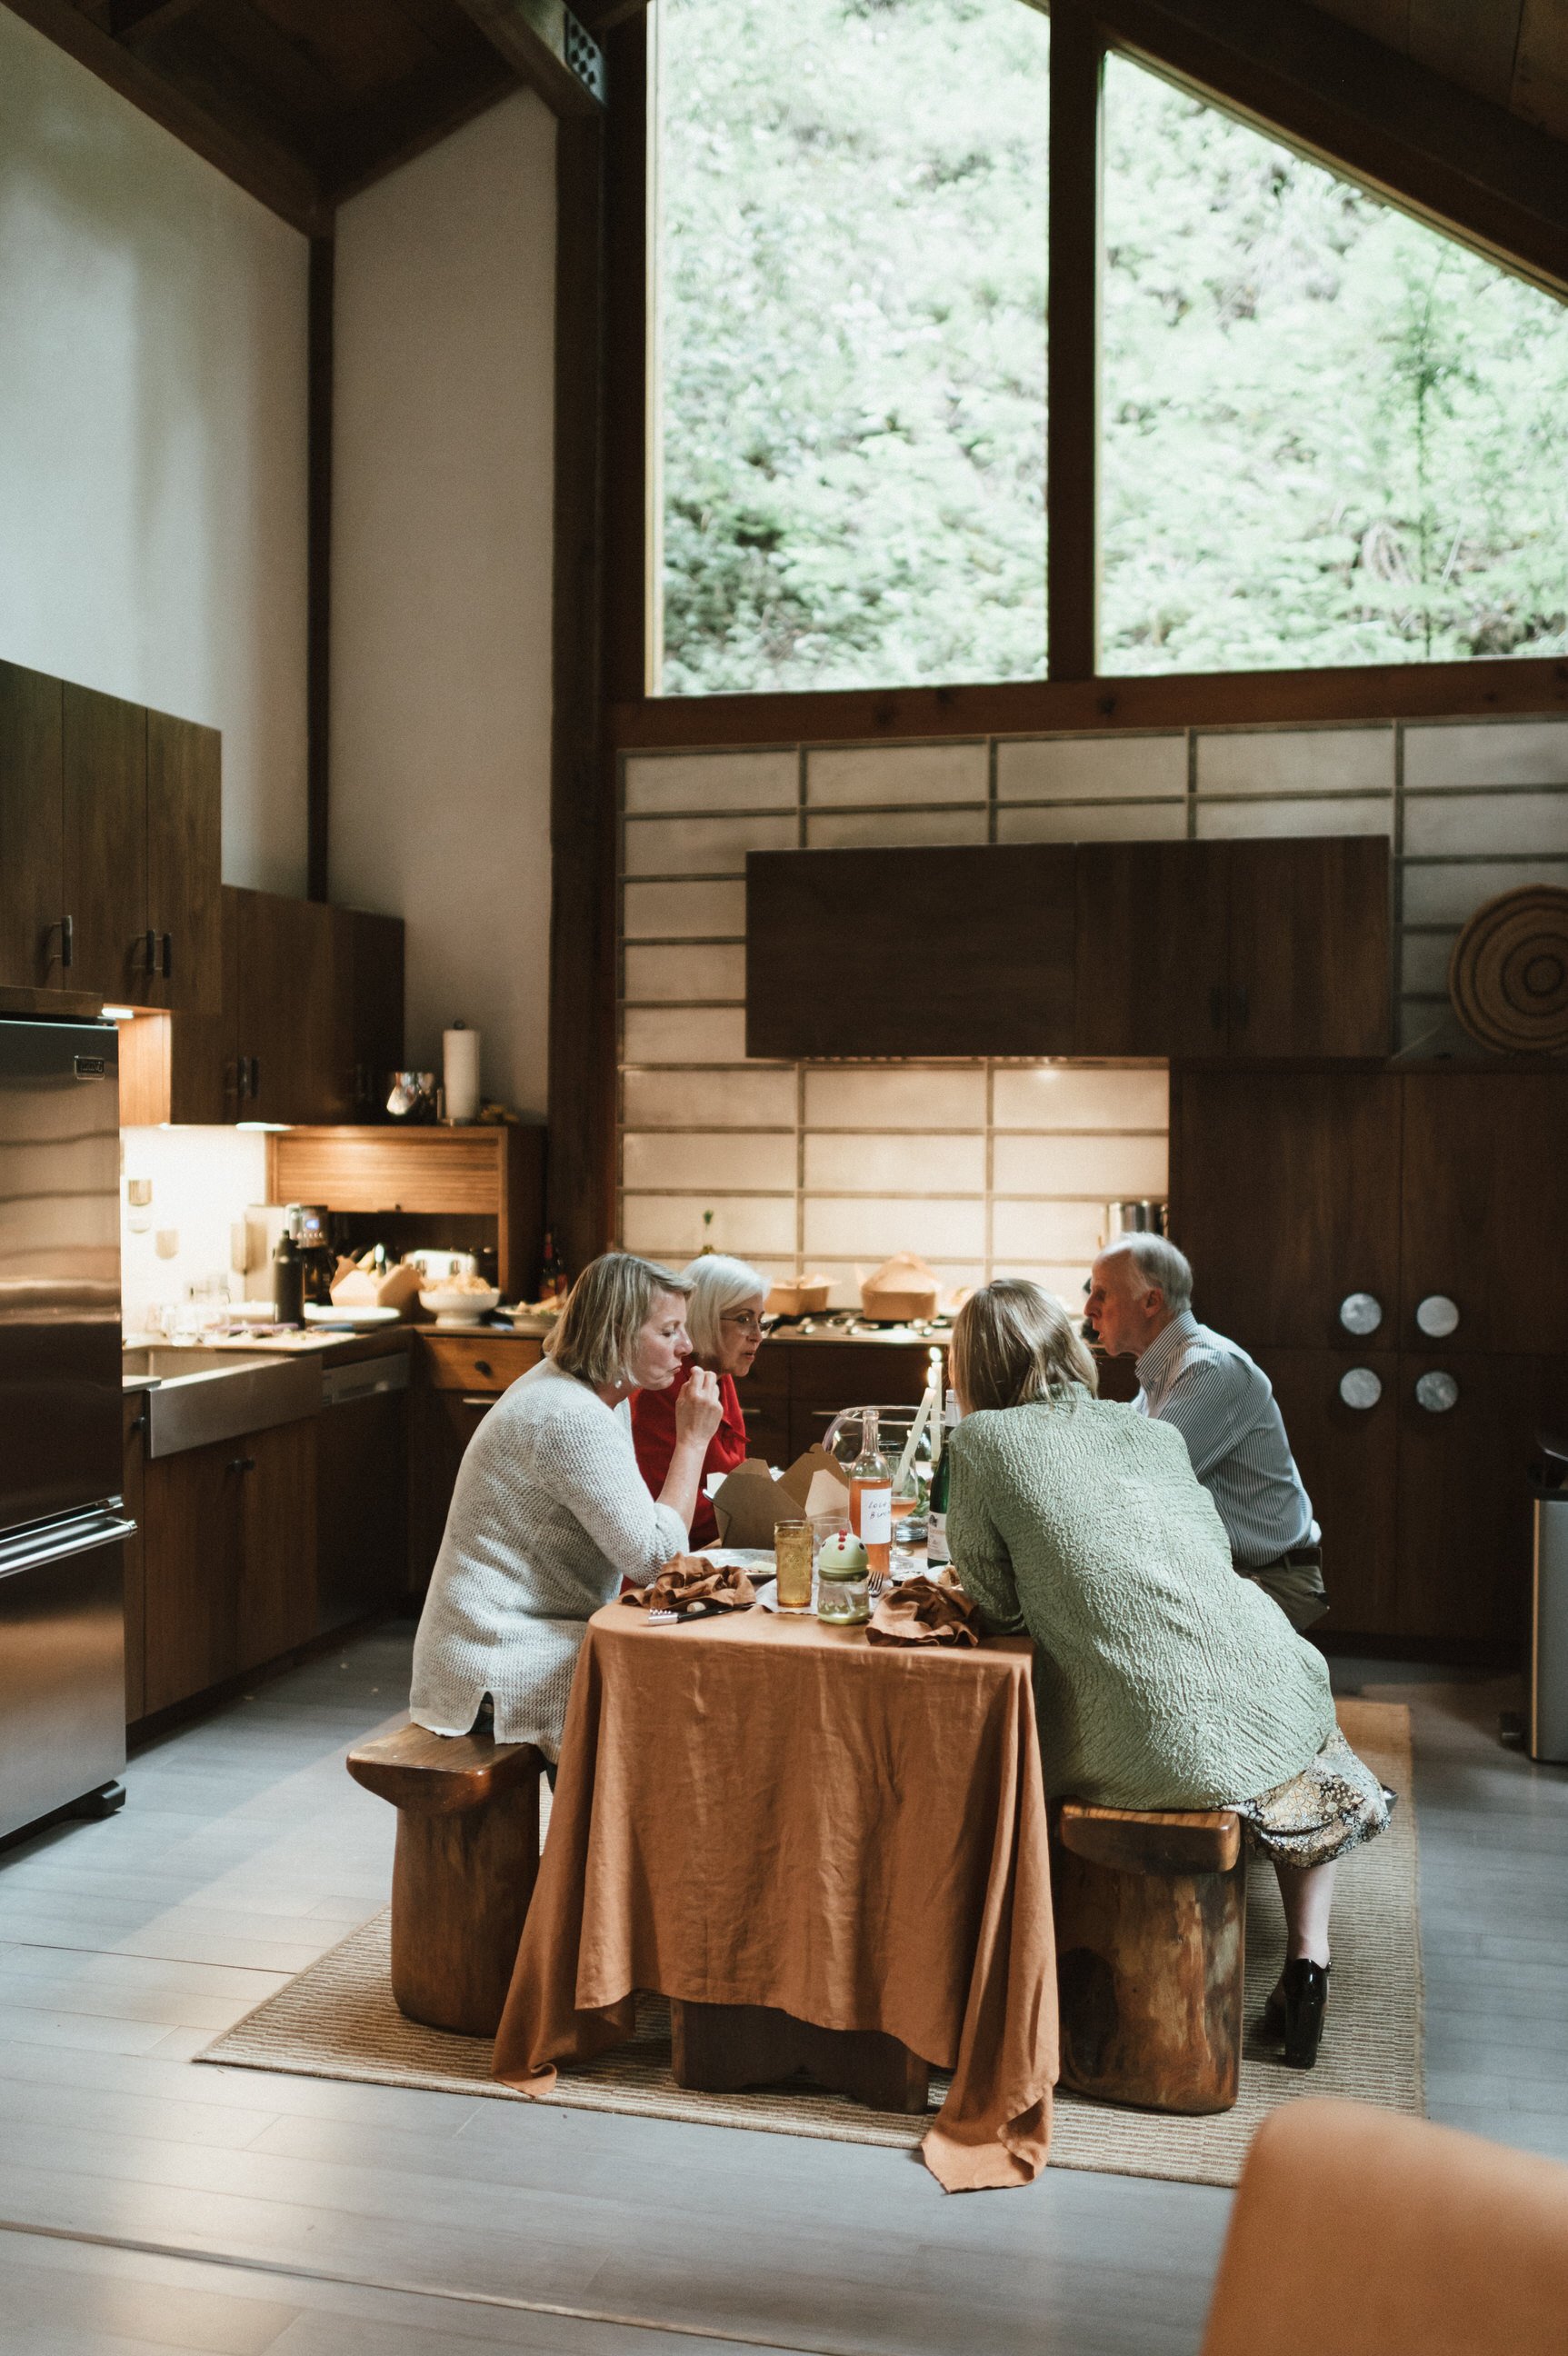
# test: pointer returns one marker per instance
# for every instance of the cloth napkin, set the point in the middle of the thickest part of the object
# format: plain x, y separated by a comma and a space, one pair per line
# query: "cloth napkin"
926, 1611
693, 1585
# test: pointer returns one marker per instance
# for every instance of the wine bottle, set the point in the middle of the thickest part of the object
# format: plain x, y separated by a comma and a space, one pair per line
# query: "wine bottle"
553, 1284
936, 1554
871, 1497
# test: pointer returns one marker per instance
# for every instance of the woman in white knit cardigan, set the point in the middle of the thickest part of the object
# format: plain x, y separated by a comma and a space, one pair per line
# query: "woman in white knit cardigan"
549, 1512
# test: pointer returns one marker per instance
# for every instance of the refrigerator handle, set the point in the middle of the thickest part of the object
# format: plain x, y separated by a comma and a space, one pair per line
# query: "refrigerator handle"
78, 1535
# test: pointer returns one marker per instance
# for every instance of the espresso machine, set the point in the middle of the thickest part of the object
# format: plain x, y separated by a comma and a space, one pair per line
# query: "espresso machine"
306, 1225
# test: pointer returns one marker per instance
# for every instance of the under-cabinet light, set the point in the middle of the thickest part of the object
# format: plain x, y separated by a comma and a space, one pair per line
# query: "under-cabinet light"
119, 1014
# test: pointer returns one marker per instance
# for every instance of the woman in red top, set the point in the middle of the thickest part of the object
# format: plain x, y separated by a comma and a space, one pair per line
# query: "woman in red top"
723, 1317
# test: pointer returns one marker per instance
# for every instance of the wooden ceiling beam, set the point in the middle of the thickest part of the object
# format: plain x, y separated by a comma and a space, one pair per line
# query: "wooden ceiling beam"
1450, 157
602, 16
278, 180
363, 147
548, 47
129, 19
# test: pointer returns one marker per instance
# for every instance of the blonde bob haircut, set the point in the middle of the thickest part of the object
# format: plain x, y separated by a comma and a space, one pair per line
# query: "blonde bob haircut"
1013, 1342
605, 1311
718, 1283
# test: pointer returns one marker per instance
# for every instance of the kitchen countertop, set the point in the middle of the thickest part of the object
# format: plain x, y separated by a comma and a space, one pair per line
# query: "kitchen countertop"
333, 1349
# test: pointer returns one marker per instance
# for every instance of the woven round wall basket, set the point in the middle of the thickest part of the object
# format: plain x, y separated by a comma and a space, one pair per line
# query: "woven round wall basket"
1509, 974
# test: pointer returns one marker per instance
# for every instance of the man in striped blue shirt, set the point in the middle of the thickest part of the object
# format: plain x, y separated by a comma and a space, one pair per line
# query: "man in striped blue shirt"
1140, 1305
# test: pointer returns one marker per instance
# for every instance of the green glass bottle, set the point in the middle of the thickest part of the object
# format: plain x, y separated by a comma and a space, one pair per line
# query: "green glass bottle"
937, 1555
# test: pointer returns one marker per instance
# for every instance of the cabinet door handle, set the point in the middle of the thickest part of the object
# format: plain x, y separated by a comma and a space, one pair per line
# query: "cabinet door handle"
1216, 1008
256, 1077
150, 950
168, 956
241, 1079
485, 1403
1438, 1393
483, 1366
67, 941
242, 1464
1360, 1388
1242, 1004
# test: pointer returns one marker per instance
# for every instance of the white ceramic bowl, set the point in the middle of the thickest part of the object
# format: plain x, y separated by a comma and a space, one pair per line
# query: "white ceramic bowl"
450, 1306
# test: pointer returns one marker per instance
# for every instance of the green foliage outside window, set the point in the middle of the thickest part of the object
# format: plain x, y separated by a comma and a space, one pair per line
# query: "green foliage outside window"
1330, 435
853, 303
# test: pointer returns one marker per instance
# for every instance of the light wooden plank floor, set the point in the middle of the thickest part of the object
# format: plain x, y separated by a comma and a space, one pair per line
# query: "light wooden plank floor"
314, 2219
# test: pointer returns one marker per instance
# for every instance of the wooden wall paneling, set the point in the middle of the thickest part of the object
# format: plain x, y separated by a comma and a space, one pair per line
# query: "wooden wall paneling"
519, 1237
1072, 347
1309, 946
1463, 1502
1540, 65
1471, 42
600, 354
320, 297
1486, 1207
390, 1168
1437, 150
538, 43
275, 179
1041, 707
276, 1471
967, 951
1348, 1459
32, 810
105, 773
1286, 1198
185, 823
1153, 947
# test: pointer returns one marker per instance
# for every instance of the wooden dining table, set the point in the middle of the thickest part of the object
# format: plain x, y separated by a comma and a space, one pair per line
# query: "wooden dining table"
763, 1811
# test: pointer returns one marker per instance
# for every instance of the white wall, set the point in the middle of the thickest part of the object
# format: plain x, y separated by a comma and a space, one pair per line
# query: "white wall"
152, 435
441, 584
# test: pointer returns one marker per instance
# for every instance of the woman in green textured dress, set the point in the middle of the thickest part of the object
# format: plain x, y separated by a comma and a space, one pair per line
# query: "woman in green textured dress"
1161, 1679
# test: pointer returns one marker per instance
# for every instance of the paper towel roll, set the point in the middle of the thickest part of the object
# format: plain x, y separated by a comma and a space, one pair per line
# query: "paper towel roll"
461, 1072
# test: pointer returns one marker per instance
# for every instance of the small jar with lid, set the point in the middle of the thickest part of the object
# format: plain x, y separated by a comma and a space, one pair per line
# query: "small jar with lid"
843, 1580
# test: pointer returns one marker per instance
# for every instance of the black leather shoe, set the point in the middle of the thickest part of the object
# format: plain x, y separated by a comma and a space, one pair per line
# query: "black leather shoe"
1306, 1999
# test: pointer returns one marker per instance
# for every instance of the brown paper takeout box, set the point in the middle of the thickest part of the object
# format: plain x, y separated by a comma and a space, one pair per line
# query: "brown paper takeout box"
750, 1502
903, 1287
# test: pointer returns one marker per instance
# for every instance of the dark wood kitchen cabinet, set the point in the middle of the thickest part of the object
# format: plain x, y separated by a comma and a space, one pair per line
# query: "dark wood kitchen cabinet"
964, 951
362, 1507
1263, 948
229, 1553
1152, 927
284, 1022
1463, 1500
1486, 1205
104, 887
1348, 1458
185, 764
368, 997
110, 854
1188, 949
32, 819
1305, 1166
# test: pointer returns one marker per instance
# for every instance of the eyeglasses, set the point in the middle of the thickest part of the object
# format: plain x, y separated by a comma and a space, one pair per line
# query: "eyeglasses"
746, 1319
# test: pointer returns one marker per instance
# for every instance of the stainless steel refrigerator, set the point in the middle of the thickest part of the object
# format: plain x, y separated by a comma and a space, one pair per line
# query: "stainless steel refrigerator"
62, 1642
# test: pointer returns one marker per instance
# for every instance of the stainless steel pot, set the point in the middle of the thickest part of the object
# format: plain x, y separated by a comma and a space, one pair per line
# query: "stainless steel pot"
1145, 1218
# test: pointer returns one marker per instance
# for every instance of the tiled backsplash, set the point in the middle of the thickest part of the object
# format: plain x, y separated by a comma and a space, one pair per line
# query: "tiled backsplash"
991, 1168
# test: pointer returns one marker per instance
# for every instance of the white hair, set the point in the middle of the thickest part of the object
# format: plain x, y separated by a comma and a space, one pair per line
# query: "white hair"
1161, 1266
718, 1283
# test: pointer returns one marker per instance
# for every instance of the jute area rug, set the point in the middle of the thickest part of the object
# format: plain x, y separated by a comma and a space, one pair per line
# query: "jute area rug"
337, 2019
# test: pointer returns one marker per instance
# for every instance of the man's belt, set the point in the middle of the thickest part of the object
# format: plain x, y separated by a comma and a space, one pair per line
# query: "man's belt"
1305, 1557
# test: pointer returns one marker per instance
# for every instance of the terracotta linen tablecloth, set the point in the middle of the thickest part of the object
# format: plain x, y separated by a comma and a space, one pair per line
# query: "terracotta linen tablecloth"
761, 1810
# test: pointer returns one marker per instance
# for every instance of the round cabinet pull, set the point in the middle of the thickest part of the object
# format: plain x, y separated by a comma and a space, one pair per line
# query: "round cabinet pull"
1437, 1316
1360, 1312
1360, 1388
1438, 1393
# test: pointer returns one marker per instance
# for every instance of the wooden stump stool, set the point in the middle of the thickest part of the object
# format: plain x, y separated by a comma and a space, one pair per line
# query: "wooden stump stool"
468, 1853
720, 2048
1151, 1929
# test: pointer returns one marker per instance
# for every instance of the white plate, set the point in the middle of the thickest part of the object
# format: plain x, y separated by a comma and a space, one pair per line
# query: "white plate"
360, 1316
748, 1558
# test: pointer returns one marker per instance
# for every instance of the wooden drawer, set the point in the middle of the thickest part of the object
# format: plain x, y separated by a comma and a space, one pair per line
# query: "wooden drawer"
483, 1362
